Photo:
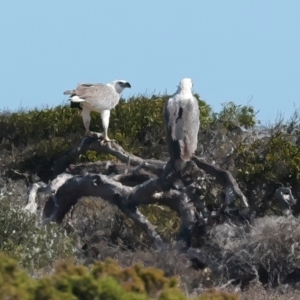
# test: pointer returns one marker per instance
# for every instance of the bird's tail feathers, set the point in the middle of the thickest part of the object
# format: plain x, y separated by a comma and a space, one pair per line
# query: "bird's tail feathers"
75, 105
76, 99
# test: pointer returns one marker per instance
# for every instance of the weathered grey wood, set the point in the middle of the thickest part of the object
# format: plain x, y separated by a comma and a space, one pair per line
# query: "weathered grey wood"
127, 184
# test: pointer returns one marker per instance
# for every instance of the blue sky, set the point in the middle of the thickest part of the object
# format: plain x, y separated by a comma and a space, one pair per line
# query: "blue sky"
233, 50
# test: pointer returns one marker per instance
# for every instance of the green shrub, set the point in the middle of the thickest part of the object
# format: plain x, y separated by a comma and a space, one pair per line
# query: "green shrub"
14, 282
37, 137
128, 119
275, 159
42, 135
137, 124
34, 245
105, 280
233, 115
166, 220
25, 127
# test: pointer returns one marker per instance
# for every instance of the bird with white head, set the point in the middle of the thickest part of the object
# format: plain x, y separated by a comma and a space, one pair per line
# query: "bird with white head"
98, 97
181, 115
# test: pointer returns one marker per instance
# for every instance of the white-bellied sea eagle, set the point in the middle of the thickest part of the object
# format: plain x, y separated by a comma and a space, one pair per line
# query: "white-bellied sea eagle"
181, 115
97, 97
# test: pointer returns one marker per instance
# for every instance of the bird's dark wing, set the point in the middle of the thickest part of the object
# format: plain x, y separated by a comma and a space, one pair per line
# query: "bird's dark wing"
174, 128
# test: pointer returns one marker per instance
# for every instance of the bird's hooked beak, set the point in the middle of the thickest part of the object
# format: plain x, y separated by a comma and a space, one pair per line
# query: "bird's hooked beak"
127, 84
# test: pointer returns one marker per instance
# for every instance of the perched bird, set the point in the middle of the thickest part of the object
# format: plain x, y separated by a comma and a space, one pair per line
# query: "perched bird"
97, 97
181, 116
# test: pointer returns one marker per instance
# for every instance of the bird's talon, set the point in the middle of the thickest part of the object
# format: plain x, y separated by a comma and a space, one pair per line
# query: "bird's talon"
94, 134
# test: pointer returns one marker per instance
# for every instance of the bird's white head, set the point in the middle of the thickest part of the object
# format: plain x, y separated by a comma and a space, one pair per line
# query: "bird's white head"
186, 85
120, 85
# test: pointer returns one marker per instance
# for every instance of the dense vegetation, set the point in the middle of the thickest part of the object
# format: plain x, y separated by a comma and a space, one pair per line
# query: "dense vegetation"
137, 125
105, 280
262, 159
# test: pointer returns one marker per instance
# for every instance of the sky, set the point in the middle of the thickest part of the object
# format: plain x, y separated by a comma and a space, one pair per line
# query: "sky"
245, 51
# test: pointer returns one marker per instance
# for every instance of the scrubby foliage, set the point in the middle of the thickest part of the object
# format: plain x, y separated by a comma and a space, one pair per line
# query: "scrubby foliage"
268, 163
34, 138
267, 250
269, 159
264, 249
34, 245
232, 116
104, 280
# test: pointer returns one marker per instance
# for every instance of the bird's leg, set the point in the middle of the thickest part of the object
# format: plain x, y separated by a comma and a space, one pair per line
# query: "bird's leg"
86, 118
105, 114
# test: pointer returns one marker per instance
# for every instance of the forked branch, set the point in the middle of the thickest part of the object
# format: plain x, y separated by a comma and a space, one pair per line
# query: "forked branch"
137, 181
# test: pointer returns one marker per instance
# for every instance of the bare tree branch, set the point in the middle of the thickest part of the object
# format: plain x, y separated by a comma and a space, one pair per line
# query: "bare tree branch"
91, 143
142, 221
96, 185
224, 178
127, 184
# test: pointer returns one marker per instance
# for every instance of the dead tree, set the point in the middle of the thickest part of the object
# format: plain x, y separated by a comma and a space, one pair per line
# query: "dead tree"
127, 184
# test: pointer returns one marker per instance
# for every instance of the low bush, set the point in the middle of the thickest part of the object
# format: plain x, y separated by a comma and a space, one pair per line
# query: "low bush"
104, 280
267, 250
33, 244
232, 115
